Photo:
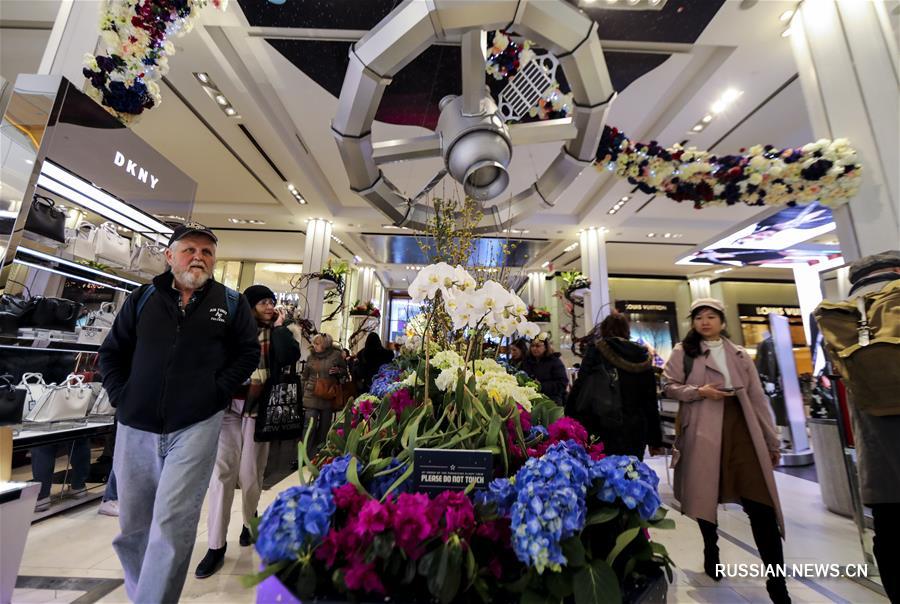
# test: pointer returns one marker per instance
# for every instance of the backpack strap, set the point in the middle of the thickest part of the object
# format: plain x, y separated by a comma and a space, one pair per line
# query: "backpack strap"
688, 366
231, 301
142, 301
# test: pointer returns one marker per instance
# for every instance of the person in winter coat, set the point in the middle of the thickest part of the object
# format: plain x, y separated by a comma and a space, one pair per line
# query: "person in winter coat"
324, 362
370, 359
614, 396
241, 460
726, 446
518, 352
547, 368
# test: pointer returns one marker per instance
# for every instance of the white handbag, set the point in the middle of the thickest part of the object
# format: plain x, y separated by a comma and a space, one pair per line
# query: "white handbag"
110, 247
66, 401
103, 317
102, 406
34, 386
149, 258
81, 241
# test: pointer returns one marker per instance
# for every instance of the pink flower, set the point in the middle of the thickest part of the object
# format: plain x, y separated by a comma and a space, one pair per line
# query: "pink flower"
362, 412
596, 451
360, 576
497, 531
348, 498
400, 400
373, 518
328, 550
340, 432
412, 523
524, 420
495, 567
456, 510
567, 428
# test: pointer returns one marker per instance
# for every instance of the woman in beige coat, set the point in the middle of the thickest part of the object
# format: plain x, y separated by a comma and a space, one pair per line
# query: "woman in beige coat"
325, 361
727, 445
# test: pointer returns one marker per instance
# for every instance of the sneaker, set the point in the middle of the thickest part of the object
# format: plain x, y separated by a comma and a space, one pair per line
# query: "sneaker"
109, 508
211, 563
78, 493
42, 505
245, 537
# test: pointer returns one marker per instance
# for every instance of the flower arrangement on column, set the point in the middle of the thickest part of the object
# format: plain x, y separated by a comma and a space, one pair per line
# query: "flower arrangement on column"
136, 39
827, 171
559, 521
538, 314
364, 309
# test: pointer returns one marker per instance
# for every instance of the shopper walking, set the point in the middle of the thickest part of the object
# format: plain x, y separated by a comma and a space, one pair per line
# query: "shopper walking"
614, 396
726, 446
547, 368
177, 351
369, 361
326, 367
240, 460
874, 395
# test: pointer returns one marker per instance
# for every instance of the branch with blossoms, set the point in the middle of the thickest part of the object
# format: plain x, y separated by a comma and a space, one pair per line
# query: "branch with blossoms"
825, 171
135, 36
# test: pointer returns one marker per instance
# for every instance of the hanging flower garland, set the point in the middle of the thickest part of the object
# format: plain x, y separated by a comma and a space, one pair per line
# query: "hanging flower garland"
507, 57
136, 36
825, 171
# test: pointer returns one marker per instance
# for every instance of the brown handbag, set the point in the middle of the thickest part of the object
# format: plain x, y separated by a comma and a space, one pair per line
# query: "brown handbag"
327, 389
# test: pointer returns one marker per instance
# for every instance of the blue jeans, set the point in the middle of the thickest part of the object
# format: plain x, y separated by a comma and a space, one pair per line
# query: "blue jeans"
163, 479
111, 493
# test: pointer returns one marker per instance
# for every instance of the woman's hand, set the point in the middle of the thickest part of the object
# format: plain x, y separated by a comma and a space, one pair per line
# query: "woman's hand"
279, 317
775, 456
710, 391
334, 370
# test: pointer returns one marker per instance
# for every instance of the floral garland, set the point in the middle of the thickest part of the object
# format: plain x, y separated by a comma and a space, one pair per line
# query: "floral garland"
825, 171
506, 57
135, 34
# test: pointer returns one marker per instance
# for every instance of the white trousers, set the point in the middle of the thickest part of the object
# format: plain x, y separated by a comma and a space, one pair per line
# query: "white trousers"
240, 460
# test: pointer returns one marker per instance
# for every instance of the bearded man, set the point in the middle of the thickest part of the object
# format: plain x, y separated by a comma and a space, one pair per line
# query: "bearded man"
177, 351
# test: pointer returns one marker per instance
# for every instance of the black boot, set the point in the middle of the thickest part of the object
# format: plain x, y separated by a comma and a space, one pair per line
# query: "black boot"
764, 524
245, 536
710, 549
211, 563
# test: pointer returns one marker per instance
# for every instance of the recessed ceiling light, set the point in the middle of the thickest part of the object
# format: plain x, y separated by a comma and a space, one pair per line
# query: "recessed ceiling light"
571, 247
624, 199
612, 211
731, 95
707, 118
786, 16
220, 99
633, 2
651, 235
230, 111
717, 107
697, 128
786, 33
203, 77
545, 264
291, 187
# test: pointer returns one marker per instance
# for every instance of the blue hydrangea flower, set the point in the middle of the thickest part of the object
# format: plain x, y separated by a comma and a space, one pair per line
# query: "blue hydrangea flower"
380, 484
537, 432
501, 492
333, 475
299, 517
385, 381
629, 480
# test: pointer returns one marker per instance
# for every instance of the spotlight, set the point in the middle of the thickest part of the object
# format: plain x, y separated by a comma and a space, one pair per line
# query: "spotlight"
697, 128
786, 33
786, 16
220, 99
204, 78
707, 118
230, 111
717, 107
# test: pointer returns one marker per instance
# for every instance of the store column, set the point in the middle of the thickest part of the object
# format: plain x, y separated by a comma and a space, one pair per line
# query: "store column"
74, 34
593, 265
315, 255
536, 289
700, 288
366, 288
847, 58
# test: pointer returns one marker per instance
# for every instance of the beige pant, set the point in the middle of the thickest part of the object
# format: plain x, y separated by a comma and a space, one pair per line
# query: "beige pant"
240, 460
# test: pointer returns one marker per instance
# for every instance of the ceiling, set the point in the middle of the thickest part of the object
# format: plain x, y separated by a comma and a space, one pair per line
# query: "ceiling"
281, 67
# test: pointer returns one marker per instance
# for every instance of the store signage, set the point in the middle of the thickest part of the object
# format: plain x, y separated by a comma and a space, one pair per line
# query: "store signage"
134, 169
754, 310
436, 470
625, 306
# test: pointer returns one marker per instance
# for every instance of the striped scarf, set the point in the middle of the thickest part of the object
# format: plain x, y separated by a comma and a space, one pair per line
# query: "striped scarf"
250, 392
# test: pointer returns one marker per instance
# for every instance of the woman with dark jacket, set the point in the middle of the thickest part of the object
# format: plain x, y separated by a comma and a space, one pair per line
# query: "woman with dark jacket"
369, 360
545, 366
240, 460
518, 352
614, 396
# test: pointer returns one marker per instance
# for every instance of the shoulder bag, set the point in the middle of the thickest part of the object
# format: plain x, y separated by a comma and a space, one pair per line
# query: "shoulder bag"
67, 401
34, 386
111, 247
46, 219
12, 401
102, 405
55, 313
279, 414
149, 258
80, 242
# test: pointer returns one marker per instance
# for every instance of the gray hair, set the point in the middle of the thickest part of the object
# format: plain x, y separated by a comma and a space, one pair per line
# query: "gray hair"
327, 340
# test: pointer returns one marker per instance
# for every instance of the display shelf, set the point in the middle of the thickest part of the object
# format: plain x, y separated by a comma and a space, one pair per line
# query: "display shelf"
44, 257
47, 344
47, 433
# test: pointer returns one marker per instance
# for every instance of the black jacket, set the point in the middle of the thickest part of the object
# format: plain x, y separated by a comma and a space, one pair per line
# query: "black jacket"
614, 368
370, 361
551, 373
284, 351
165, 371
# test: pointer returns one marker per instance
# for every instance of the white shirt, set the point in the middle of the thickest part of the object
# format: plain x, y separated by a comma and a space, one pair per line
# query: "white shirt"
717, 354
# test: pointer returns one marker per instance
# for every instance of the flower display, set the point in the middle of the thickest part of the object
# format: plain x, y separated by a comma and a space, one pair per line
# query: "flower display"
135, 38
298, 518
827, 171
386, 380
364, 309
538, 315
629, 480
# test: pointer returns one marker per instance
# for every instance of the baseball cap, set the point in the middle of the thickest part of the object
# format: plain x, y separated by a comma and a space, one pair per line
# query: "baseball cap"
708, 302
183, 230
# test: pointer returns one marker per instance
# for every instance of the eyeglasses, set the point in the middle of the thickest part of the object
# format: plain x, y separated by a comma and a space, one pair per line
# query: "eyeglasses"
266, 302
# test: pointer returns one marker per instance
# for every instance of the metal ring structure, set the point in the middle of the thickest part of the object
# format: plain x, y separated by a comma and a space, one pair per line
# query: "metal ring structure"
413, 26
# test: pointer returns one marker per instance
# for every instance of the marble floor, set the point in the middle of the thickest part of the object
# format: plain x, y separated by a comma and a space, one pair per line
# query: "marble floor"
76, 545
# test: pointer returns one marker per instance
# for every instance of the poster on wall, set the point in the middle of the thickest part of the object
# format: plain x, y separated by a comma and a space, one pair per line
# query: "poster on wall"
653, 324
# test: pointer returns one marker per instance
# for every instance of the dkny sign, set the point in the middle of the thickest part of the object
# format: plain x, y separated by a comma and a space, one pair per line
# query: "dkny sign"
131, 166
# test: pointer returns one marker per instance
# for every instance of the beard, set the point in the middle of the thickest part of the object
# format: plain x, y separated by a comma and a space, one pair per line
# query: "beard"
190, 279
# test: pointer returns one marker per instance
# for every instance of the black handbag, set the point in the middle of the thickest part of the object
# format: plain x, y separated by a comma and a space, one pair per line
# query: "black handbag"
12, 401
46, 219
15, 311
279, 414
55, 313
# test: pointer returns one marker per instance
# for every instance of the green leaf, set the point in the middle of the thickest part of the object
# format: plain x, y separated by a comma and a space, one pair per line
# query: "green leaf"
353, 476
573, 550
602, 515
450, 586
533, 597
493, 431
383, 545
257, 578
596, 583
665, 524
306, 581
352, 441
519, 585
471, 566
559, 584
622, 541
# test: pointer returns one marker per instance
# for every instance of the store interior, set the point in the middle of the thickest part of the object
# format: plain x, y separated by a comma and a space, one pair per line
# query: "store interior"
246, 138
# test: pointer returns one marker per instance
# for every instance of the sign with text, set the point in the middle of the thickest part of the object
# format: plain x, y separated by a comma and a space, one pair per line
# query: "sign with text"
762, 310
436, 470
